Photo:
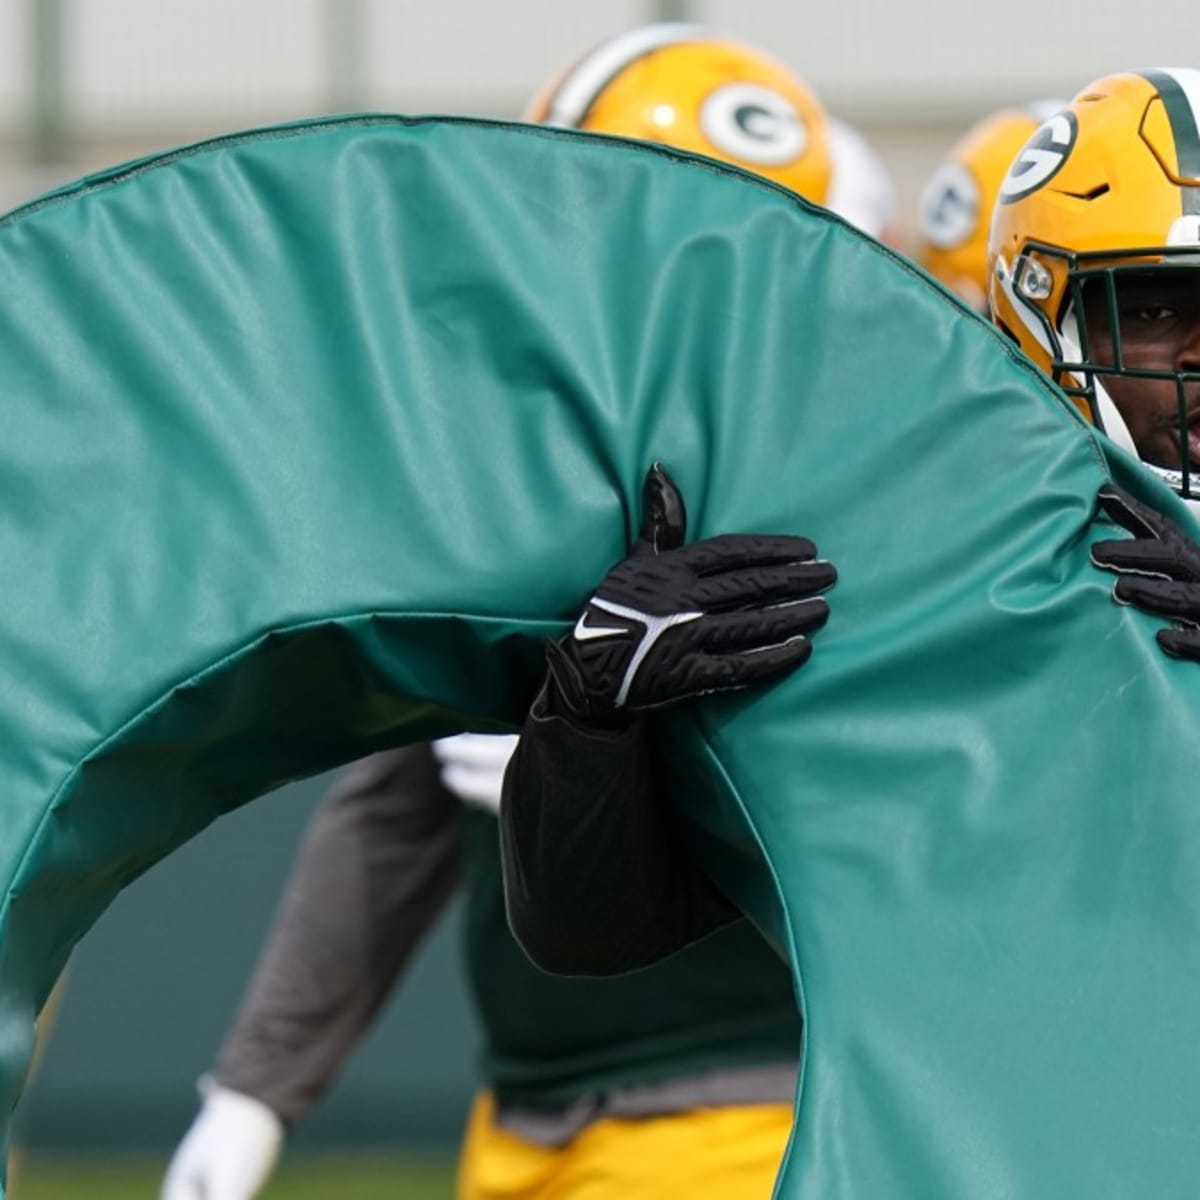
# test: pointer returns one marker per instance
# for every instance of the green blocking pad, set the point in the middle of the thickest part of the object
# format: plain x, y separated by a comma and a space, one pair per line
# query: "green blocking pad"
313, 435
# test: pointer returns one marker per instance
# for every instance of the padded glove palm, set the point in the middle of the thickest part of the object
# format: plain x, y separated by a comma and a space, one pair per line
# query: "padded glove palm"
674, 621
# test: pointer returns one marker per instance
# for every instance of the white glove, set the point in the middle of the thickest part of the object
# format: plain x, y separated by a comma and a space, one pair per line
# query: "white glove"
472, 766
228, 1153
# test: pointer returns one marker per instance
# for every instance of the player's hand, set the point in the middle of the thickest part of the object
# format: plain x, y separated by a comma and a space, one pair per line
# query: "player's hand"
472, 765
1159, 569
674, 621
228, 1153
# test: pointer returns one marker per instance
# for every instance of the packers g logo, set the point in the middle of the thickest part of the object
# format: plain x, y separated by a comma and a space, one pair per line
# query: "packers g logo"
949, 207
1041, 158
754, 124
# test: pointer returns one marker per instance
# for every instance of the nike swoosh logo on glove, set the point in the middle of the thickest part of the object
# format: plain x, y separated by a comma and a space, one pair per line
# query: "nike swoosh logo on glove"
589, 633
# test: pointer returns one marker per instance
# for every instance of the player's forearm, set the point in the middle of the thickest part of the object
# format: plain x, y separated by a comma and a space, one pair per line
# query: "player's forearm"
597, 880
376, 868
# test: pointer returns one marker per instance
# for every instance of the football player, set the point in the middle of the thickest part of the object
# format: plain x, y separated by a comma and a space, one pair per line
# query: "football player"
1094, 262
676, 1081
954, 213
1094, 271
689, 88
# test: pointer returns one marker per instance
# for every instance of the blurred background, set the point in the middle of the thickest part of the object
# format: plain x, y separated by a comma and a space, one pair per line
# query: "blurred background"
90, 82
85, 83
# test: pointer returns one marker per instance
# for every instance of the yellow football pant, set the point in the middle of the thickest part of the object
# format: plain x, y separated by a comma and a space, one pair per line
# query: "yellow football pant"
724, 1153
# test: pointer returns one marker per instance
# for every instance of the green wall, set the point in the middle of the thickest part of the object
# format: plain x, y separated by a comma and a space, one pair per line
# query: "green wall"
154, 985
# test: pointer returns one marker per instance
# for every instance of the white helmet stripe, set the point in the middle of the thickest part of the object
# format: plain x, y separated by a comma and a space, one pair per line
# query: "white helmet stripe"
583, 84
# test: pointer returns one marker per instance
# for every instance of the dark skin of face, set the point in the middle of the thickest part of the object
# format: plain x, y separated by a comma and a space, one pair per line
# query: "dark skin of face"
1159, 316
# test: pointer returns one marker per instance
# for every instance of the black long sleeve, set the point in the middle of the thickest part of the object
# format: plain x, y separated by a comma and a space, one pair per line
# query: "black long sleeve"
598, 880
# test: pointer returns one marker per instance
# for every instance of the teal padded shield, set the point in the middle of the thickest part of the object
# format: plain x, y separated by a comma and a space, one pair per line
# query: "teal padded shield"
312, 435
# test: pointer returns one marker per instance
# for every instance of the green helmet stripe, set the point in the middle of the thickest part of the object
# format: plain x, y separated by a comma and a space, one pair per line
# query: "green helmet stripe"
1183, 120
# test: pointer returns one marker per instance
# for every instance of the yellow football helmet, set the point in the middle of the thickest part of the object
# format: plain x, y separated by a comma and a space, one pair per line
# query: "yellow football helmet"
682, 86
955, 208
1094, 262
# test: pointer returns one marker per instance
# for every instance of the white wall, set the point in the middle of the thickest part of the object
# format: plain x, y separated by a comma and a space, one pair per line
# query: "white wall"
14, 62
140, 63
921, 58
484, 57
142, 66
154, 63
142, 74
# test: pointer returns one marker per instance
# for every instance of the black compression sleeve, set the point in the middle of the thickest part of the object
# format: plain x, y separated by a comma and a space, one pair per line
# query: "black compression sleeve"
598, 880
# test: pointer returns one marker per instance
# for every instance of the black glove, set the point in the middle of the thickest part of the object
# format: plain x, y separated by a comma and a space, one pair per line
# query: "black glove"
675, 621
1159, 568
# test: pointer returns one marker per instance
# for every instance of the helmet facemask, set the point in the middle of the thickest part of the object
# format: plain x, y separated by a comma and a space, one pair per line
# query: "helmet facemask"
1125, 345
